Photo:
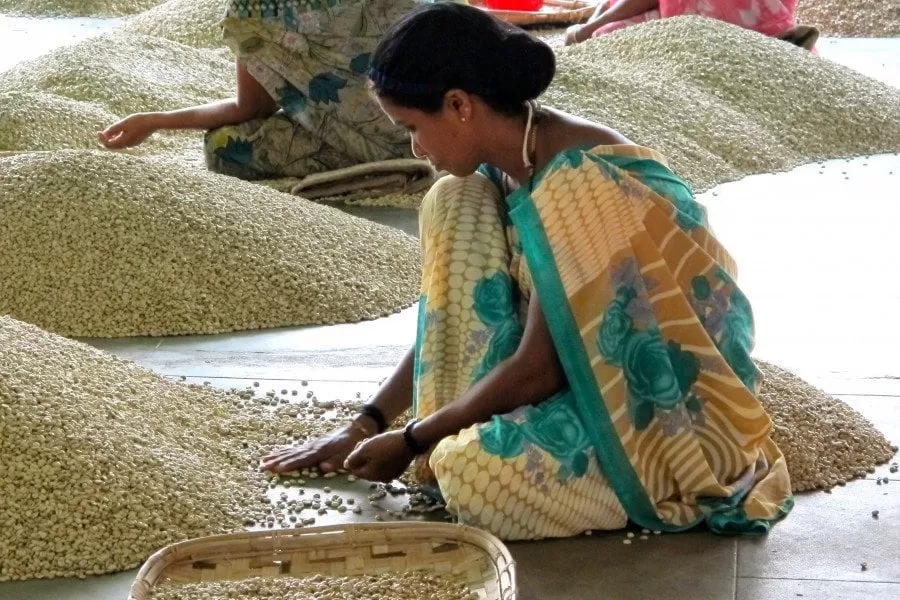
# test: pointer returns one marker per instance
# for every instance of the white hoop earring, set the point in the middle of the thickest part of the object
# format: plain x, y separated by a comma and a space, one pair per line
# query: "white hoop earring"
528, 128
412, 146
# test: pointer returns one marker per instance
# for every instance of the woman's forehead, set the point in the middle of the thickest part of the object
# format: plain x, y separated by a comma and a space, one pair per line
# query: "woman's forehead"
400, 114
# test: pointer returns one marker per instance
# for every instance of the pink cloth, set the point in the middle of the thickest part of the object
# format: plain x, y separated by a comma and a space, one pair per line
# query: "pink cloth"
650, 15
768, 17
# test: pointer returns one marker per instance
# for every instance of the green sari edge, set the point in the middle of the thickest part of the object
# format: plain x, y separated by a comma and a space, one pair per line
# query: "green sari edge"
417, 353
736, 522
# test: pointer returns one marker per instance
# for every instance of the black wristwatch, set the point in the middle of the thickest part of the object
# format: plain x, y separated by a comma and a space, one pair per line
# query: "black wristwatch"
374, 413
414, 446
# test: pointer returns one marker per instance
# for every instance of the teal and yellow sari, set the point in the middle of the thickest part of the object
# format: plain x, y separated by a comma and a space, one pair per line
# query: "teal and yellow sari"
660, 422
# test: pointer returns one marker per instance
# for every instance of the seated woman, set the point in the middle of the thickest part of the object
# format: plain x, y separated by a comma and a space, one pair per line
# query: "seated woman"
583, 350
774, 18
302, 105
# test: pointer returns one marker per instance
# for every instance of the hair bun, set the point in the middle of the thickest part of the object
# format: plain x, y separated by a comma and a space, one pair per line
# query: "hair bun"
531, 67
438, 47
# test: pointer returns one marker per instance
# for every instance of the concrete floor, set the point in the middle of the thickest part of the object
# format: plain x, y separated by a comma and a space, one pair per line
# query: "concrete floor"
811, 244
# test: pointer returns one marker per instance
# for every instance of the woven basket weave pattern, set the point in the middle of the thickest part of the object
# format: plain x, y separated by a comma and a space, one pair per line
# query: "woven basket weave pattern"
337, 551
554, 12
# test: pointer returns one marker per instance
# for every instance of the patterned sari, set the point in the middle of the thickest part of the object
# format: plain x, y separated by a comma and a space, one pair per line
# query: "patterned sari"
660, 422
312, 56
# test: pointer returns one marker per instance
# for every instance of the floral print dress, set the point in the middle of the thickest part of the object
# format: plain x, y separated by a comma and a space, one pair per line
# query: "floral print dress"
312, 56
660, 422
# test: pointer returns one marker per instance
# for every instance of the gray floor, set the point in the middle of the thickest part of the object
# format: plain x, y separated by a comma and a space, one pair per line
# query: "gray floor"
817, 249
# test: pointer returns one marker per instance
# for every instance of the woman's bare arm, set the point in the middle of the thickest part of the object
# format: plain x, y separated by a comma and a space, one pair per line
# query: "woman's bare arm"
530, 375
621, 10
251, 101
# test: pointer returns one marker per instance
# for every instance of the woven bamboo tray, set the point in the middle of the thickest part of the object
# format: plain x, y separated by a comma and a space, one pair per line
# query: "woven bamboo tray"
554, 12
337, 551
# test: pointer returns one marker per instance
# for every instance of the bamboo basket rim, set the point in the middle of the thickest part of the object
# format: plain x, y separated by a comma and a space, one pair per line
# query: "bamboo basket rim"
566, 12
273, 542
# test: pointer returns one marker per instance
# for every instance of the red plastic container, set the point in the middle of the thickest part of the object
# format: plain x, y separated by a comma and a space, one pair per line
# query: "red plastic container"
524, 5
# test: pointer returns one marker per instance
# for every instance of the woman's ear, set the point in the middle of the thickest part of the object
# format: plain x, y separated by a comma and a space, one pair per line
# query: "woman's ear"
458, 104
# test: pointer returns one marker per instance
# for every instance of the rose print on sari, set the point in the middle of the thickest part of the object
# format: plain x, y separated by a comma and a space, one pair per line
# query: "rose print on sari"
552, 426
494, 304
658, 373
725, 313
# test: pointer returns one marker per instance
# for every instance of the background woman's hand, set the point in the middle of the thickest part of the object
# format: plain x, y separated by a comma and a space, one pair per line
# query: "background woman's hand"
130, 131
574, 35
328, 452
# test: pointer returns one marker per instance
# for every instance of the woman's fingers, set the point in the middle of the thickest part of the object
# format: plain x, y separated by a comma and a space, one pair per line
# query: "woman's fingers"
117, 141
333, 462
291, 459
112, 130
126, 133
110, 134
327, 453
357, 459
364, 472
324, 456
289, 462
371, 471
281, 452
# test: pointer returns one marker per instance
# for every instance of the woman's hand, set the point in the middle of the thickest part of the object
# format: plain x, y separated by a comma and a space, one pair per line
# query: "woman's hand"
575, 35
381, 458
130, 131
328, 452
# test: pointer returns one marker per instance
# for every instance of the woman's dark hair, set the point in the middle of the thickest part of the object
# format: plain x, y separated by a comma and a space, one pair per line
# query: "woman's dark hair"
438, 47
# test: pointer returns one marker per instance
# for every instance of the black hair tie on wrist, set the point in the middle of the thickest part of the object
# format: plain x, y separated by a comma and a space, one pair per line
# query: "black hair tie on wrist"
414, 446
374, 413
